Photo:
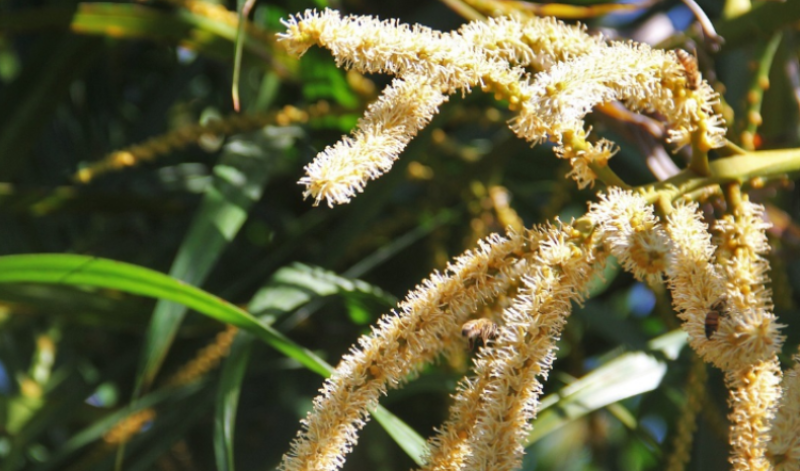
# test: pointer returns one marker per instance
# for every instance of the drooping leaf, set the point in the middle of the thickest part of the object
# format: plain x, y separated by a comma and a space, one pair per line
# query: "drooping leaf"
239, 179
79, 270
628, 375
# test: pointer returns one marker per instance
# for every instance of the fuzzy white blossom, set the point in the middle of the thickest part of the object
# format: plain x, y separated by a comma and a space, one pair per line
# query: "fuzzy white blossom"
572, 72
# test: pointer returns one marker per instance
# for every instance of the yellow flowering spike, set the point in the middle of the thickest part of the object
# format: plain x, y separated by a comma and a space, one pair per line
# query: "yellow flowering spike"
341, 171
745, 341
754, 395
539, 42
750, 327
642, 78
694, 282
742, 242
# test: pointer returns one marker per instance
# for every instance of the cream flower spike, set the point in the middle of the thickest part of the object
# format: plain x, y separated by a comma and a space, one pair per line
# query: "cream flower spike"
642, 78
427, 323
340, 172
784, 448
491, 414
574, 72
632, 232
750, 332
694, 281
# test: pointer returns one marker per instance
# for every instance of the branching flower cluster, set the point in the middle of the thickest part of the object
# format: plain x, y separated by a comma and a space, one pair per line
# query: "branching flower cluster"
571, 73
552, 75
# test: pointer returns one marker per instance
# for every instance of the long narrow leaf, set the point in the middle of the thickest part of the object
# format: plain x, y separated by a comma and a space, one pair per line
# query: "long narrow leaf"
227, 400
409, 440
297, 284
80, 270
239, 179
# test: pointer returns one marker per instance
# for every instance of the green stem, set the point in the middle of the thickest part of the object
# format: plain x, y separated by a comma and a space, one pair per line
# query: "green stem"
739, 169
608, 176
730, 149
733, 196
699, 162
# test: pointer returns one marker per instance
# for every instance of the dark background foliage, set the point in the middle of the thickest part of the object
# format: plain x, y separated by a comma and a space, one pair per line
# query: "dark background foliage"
79, 81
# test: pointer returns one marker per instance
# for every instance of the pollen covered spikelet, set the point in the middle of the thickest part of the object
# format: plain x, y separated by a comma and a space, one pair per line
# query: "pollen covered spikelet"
754, 395
784, 448
751, 328
539, 42
627, 226
369, 45
449, 448
429, 65
694, 282
491, 413
524, 351
427, 323
642, 78
742, 245
341, 171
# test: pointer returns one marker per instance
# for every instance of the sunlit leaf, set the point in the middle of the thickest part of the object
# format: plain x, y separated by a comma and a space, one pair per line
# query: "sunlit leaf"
80, 270
626, 376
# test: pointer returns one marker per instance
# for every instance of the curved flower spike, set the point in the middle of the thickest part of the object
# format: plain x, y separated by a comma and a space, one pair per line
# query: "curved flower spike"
340, 172
642, 78
627, 225
693, 280
427, 324
491, 414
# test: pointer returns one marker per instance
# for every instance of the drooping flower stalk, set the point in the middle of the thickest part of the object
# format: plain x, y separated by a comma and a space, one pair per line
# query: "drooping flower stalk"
693, 280
341, 171
754, 395
752, 329
492, 411
525, 350
427, 324
745, 342
551, 75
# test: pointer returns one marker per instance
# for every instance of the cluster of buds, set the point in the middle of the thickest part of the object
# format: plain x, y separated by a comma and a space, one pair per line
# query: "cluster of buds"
551, 74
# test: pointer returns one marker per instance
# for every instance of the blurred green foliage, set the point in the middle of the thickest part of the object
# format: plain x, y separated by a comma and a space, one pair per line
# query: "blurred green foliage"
79, 356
